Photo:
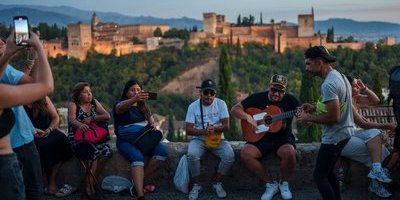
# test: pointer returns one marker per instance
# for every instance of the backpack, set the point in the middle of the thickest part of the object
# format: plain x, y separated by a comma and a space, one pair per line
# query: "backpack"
394, 95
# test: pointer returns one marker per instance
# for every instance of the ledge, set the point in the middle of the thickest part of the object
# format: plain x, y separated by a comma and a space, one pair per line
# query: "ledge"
240, 177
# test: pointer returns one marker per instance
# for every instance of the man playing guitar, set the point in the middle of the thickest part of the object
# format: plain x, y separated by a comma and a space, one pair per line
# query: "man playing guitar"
281, 142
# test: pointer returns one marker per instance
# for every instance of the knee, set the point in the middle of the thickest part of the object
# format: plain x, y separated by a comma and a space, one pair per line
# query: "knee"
193, 156
247, 155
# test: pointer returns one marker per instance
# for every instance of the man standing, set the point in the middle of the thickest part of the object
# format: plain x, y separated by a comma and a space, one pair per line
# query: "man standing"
337, 118
207, 120
281, 142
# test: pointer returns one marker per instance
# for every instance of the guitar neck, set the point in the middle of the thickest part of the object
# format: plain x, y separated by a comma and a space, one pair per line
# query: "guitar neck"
283, 116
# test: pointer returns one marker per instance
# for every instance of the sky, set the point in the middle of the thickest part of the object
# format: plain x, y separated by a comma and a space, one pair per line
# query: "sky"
360, 10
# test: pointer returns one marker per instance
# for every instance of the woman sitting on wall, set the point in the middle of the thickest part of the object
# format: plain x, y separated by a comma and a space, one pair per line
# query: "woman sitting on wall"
129, 112
52, 144
82, 113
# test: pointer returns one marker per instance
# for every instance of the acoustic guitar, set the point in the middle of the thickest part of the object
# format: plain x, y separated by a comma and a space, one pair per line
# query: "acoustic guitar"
269, 120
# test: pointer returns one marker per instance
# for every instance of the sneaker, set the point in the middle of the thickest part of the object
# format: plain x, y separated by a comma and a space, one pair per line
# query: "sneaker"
270, 190
285, 191
194, 193
379, 174
65, 191
379, 189
219, 190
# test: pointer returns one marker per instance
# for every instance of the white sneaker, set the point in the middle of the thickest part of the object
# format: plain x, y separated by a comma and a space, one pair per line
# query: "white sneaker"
194, 193
379, 189
285, 191
379, 174
270, 190
219, 190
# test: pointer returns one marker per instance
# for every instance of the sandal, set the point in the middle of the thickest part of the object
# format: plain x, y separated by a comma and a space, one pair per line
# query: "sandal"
65, 191
149, 188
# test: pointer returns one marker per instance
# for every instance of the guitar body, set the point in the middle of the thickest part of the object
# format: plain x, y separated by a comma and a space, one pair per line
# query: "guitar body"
249, 132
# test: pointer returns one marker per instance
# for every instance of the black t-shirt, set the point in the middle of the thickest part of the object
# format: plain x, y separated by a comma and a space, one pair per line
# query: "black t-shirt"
261, 101
7, 121
132, 115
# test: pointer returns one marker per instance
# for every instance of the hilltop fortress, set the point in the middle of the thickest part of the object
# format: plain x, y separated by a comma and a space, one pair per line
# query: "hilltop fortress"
280, 35
112, 38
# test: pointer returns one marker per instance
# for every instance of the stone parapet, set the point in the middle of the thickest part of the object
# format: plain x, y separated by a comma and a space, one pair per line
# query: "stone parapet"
239, 178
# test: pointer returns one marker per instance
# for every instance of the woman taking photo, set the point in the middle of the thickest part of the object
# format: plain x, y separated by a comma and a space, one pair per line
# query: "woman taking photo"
131, 111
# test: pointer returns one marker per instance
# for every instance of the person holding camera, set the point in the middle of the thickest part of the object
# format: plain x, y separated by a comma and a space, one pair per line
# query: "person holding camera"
22, 178
131, 116
207, 119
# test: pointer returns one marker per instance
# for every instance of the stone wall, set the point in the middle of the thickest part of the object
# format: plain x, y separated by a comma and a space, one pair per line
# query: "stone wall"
239, 178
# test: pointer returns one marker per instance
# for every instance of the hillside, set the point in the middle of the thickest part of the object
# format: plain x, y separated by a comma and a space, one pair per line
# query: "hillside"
187, 82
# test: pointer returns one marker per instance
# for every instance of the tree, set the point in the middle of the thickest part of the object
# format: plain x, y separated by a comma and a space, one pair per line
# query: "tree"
377, 87
226, 90
239, 21
157, 32
261, 18
171, 129
308, 93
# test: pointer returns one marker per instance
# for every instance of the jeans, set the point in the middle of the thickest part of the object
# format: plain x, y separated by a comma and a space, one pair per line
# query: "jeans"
28, 157
11, 181
324, 174
135, 157
197, 148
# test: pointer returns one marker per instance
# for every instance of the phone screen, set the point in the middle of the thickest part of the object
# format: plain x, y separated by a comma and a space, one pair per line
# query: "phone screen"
21, 30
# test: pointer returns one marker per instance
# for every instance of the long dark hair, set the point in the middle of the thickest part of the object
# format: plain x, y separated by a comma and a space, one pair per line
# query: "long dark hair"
39, 107
141, 104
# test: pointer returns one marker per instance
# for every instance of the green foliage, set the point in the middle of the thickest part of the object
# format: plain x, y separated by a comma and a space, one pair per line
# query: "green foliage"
136, 40
177, 33
309, 93
157, 32
226, 91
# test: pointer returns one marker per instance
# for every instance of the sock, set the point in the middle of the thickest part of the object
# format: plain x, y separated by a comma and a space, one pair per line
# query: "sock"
376, 165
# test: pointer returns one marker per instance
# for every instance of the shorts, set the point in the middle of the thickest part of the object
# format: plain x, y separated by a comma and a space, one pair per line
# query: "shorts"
267, 145
357, 147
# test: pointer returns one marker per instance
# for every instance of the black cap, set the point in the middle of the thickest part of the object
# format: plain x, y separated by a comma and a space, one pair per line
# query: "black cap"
319, 52
208, 84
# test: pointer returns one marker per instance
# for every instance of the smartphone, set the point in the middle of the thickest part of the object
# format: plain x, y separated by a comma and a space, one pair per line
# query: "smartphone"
152, 95
21, 26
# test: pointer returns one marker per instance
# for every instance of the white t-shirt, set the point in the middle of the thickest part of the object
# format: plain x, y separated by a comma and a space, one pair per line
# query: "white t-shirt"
212, 114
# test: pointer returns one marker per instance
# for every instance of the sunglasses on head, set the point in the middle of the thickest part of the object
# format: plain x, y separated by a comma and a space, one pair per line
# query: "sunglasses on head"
207, 92
274, 90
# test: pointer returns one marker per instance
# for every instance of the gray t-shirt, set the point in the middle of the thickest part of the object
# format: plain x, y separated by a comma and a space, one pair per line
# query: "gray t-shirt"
336, 86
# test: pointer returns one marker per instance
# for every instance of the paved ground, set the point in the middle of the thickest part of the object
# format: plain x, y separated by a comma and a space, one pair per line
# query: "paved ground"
300, 193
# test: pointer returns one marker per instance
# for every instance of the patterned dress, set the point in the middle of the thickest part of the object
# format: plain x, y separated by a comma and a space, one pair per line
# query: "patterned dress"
102, 148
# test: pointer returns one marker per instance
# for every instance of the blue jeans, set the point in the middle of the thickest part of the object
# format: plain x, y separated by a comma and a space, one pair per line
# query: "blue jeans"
28, 157
197, 147
324, 175
11, 181
135, 156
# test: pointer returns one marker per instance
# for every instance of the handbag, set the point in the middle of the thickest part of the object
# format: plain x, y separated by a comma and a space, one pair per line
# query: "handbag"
147, 139
212, 140
94, 135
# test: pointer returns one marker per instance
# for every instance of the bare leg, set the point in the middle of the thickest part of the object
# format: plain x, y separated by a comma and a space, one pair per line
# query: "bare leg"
250, 155
137, 177
52, 182
287, 153
375, 149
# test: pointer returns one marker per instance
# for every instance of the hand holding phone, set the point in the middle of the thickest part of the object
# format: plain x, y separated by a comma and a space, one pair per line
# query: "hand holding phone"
21, 30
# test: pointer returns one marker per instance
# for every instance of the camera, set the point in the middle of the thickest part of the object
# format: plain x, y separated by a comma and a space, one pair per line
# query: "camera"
21, 27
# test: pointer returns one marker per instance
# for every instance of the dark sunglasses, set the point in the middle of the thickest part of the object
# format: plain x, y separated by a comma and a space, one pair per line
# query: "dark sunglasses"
207, 92
274, 90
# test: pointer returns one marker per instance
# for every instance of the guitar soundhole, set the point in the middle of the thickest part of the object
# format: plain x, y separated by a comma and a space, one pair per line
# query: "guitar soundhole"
268, 119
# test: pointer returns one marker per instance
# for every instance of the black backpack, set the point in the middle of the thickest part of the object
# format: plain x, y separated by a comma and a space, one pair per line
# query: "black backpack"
394, 95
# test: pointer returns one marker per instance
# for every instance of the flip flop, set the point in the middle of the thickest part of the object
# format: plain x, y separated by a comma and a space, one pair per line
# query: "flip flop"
65, 191
149, 188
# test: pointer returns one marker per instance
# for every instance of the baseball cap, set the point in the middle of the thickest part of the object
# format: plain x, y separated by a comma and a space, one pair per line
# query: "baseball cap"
319, 51
208, 84
277, 79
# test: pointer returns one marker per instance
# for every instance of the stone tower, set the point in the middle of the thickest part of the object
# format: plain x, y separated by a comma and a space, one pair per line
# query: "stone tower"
79, 40
209, 23
306, 24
